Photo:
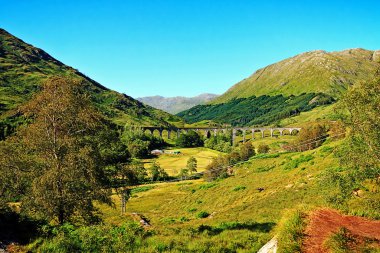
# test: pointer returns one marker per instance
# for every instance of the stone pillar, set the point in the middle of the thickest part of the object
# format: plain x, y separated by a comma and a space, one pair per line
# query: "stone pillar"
281, 132
215, 132
253, 134
262, 133
233, 136
169, 134
271, 132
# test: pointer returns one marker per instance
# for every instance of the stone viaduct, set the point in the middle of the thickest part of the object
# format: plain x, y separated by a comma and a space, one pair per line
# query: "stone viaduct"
213, 130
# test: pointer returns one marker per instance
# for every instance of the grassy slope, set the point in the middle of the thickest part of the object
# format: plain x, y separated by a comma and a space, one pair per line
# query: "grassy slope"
173, 163
285, 189
23, 68
316, 71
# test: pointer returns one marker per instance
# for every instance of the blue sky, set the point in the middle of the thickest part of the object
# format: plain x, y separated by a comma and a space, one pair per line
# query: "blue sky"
186, 47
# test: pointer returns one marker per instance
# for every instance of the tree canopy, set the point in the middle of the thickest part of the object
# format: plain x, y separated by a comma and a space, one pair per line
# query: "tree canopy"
61, 159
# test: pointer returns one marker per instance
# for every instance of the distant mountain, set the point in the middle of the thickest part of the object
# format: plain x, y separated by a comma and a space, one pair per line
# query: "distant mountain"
176, 104
310, 72
23, 68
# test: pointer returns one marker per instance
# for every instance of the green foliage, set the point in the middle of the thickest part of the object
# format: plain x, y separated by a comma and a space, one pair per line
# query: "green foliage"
202, 214
265, 156
263, 149
98, 238
290, 232
263, 110
190, 139
295, 163
246, 151
220, 142
309, 138
142, 189
239, 188
139, 143
359, 153
157, 173
61, 154
207, 186
218, 168
344, 241
192, 164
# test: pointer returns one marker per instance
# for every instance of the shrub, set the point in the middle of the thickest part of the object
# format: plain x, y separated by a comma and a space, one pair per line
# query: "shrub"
290, 231
263, 149
296, 162
202, 214
239, 188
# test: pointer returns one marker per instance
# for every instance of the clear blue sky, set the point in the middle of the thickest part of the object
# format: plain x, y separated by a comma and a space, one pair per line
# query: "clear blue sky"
186, 47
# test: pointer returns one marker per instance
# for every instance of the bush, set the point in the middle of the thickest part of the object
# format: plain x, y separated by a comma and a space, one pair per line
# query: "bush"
263, 149
309, 138
239, 188
202, 214
290, 231
296, 162
97, 238
246, 151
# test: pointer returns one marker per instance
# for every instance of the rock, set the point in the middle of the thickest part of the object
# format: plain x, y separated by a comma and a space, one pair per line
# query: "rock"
269, 247
376, 56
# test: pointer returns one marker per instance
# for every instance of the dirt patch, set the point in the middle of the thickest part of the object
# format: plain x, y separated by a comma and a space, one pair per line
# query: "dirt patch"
325, 222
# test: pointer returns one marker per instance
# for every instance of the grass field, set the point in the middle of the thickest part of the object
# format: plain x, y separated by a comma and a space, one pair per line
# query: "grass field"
174, 163
237, 215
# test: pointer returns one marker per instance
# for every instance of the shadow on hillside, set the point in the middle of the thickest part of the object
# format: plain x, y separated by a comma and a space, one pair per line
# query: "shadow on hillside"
252, 226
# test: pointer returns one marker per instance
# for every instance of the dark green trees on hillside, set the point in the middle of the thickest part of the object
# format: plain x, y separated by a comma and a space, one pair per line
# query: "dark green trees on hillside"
263, 110
138, 143
60, 159
190, 139
220, 142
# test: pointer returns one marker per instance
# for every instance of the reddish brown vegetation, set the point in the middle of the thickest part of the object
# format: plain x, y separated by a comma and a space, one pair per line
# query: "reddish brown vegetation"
325, 222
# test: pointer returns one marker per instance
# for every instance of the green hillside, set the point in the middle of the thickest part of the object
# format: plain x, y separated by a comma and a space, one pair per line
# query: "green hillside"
23, 68
263, 110
311, 72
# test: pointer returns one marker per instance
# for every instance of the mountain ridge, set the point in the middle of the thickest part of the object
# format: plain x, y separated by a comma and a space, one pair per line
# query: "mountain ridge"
178, 103
309, 72
24, 67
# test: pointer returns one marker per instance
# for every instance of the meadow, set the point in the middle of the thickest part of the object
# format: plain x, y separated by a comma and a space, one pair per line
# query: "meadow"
239, 213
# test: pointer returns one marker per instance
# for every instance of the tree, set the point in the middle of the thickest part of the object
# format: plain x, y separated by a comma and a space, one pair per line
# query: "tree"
190, 139
360, 152
192, 164
157, 173
263, 149
60, 152
139, 143
309, 138
184, 173
246, 151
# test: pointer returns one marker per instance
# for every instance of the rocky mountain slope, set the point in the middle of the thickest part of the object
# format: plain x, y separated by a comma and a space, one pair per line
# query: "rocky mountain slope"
311, 72
23, 68
176, 104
